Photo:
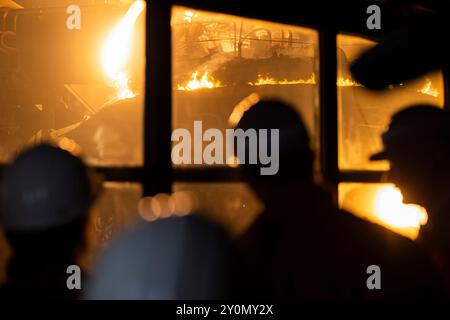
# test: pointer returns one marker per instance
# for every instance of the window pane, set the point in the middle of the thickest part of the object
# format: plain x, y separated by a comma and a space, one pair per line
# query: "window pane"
381, 203
223, 64
364, 114
75, 79
233, 205
115, 211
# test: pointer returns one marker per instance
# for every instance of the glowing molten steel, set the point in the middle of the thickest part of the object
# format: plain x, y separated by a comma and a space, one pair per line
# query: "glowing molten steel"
346, 82
205, 82
116, 51
262, 81
391, 210
429, 90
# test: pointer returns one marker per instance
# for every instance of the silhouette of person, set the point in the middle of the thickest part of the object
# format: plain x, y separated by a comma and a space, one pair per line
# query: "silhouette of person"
172, 258
302, 246
45, 196
417, 145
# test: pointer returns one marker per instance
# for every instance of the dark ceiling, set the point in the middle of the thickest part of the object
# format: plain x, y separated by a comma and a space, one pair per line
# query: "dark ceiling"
345, 15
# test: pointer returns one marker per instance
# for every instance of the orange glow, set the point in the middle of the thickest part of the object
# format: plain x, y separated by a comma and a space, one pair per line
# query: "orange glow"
262, 81
233, 162
188, 15
346, 82
163, 205
341, 82
116, 51
428, 89
205, 82
241, 107
70, 146
382, 204
391, 210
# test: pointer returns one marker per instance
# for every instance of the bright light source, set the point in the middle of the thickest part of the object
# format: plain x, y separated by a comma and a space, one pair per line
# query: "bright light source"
205, 82
383, 204
390, 209
116, 51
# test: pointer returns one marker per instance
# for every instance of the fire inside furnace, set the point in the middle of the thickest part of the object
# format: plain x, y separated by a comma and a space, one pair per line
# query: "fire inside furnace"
197, 82
91, 102
116, 51
224, 64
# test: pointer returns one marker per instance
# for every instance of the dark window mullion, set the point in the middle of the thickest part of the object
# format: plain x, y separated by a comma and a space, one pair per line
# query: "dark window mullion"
158, 95
207, 175
362, 176
122, 174
328, 105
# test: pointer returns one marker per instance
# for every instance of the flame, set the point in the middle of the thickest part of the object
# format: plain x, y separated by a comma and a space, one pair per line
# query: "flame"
116, 51
205, 81
391, 210
262, 81
429, 90
347, 82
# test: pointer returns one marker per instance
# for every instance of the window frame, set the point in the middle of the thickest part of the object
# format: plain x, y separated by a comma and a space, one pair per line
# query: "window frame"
157, 175
328, 106
327, 152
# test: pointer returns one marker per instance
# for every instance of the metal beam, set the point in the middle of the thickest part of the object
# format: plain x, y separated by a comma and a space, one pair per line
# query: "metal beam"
158, 100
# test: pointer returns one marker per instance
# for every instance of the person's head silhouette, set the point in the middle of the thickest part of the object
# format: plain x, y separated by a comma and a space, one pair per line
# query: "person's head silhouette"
291, 148
417, 145
45, 196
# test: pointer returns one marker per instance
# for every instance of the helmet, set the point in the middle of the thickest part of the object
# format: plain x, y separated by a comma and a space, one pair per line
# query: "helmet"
43, 188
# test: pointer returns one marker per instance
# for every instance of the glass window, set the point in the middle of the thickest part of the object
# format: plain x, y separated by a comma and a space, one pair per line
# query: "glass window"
233, 205
382, 203
115, 211
74, 75
223, 64
364, 114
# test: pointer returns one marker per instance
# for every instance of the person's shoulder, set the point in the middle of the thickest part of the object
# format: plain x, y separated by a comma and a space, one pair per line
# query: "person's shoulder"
404, 263
375, 235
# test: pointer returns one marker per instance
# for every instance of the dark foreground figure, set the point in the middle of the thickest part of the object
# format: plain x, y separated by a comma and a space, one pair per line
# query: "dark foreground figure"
45, 197
417, 145
174, 258
303, 247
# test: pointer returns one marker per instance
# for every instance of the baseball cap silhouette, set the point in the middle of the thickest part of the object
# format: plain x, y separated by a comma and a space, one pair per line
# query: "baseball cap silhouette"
414, 126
